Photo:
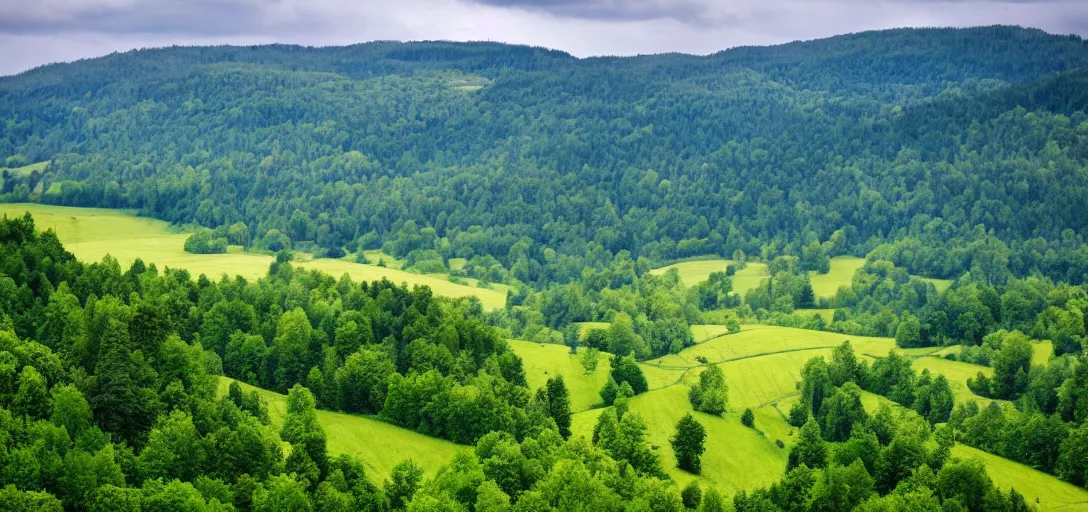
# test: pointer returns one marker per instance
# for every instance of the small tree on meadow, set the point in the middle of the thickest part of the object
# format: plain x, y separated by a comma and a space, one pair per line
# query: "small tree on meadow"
710, 395
748, 419
689, 444
589, 359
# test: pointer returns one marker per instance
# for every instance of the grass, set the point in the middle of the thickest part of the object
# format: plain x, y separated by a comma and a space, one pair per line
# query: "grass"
92, 233
827, 314
1046, 491
1041, 352
27, 169
755, 340
703, 333
940, 284
378, 445
542, 362
841, 274
823, 285
695, 272
957, 373
736, 458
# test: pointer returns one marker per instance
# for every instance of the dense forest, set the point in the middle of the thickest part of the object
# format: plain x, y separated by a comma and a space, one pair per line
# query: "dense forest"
959, 154
948, 150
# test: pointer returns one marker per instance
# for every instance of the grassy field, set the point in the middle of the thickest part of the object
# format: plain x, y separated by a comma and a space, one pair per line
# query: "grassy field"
1046, 491
827, 314
824, 285
543, 362
92, 233
957, 373
841, 274
737, 458
377, 444
940, 284
755, 340
695, 272
27, 169
1041, 352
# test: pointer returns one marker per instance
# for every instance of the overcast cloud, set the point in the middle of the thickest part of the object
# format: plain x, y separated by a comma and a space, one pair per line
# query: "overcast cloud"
36, 32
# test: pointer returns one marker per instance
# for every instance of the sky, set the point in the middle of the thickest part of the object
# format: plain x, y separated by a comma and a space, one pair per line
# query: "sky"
37, 32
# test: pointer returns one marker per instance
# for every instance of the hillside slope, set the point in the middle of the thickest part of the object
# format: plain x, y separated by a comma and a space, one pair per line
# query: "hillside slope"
545, 164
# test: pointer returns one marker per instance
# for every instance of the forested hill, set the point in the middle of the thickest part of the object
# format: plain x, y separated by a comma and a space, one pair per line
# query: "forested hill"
945, 150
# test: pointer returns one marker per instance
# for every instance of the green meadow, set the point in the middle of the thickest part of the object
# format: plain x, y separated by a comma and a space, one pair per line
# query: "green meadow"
92, 233
737, 457
27, 169
841, 273
379, 445
1046, 491
695, 272
824, 285
543, 362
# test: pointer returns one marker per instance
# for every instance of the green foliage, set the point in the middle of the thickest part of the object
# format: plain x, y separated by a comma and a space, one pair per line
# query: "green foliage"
811, 449
205, 242
589, 360
404, 482
748, 418
559, 405
625, 370
688, 443
711, 393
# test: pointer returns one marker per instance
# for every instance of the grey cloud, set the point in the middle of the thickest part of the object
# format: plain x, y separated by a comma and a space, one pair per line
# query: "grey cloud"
179, 17
719, 13
682, 10
34, 32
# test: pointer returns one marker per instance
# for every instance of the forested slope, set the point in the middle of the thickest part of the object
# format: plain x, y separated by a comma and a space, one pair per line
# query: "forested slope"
963, 149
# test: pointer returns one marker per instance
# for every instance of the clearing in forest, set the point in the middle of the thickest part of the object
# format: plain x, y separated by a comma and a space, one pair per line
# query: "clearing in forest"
377, 444
92, 233
823, 285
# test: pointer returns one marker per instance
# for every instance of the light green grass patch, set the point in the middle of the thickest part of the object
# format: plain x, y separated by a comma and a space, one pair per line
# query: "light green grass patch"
490, 298
940, 284
841, 274
1041, 352
703, 333
695, 272
27, 169
755, 340
543, 362
377, 444
92, 233
736, 458
957, 373
374, 256
827, 314
585, 327
1051, 493
456, 264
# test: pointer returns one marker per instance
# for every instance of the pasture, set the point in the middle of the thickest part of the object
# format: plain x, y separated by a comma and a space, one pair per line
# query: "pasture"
823, 285
92, 233
736, 458
957, 374
1046, 491
377, 444
695, 272
841, 274
542, 362
27, 169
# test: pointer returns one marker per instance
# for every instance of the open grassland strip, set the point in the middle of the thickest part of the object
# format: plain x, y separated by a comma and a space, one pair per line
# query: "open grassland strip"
685, 369
1046, 491
93, 233
378, 444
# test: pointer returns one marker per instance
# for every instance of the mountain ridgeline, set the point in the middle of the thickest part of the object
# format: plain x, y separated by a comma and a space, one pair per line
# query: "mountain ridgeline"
947, 150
